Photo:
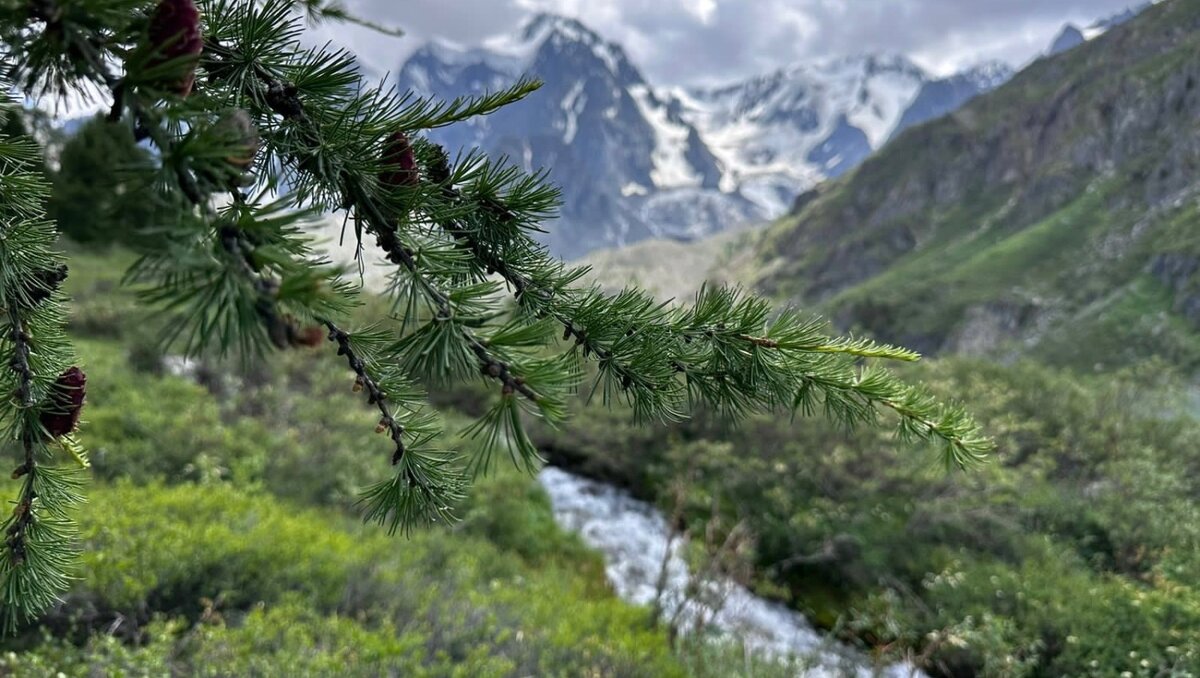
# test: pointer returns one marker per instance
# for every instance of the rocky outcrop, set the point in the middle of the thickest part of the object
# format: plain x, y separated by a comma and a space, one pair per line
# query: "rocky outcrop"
1180, 273
987, 328
945, 95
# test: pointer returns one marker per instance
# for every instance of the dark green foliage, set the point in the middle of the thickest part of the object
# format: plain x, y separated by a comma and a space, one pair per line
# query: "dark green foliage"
1088, 514
39, 545
95, 198
216, 573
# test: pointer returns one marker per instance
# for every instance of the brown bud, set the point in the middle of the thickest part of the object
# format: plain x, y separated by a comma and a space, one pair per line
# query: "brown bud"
358, 385
64, 403
401, 165
382, 426
175, 34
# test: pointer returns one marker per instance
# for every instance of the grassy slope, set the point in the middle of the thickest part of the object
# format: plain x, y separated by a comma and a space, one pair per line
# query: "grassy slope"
1026, 199
220, 539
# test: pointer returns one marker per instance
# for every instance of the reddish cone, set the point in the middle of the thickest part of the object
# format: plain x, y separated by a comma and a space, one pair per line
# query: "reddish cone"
174, 34
401, 164
61, 415
311, 336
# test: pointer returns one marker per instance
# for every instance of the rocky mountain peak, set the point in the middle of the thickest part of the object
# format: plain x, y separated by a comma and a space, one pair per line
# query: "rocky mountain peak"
545, 24
1069, 37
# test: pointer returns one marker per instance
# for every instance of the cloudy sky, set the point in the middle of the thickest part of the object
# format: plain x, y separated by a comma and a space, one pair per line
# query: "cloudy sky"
706, 41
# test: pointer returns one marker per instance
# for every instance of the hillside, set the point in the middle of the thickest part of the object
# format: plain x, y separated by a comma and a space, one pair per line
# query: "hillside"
1058, 212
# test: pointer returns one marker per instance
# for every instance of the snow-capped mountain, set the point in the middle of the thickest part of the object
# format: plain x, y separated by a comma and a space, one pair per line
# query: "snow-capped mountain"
629, 167
635, 161
785, 131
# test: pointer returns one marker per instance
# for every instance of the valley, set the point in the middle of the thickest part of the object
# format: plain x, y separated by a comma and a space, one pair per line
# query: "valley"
1033, 232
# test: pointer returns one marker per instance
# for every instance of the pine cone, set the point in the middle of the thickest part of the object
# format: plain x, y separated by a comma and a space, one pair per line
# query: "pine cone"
237, 129
311, 336
44, 283
439, 167
401, 164
61, 415
175, 33
236, 132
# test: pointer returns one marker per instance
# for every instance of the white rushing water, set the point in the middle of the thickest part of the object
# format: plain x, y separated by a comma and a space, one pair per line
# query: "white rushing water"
634, 539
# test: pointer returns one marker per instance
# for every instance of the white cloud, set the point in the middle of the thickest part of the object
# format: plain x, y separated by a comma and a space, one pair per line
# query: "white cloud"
702, 9
691, 41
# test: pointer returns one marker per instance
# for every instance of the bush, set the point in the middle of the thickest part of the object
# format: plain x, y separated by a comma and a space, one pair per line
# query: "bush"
211, 579
93, 198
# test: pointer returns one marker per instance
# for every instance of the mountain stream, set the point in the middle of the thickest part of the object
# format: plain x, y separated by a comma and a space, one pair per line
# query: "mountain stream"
634, 539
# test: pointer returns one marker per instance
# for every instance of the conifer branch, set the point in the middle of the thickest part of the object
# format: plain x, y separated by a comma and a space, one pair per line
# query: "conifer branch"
41, 397
22, 515
365, 382
285, 101
658, 357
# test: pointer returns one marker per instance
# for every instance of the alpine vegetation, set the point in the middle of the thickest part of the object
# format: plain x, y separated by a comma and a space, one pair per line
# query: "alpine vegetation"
254, 136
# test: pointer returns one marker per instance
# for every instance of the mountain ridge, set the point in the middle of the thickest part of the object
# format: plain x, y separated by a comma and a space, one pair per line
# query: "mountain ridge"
636, 161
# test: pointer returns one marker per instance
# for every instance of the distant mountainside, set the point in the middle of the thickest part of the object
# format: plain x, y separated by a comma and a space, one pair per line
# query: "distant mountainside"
1058, 215
945, 95
636, 161
1069, 38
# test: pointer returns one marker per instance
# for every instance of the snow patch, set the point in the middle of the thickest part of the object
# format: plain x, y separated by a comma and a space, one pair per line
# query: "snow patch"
572, 105
764, 129
457, 56
546, 27
527, 157
671, 166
